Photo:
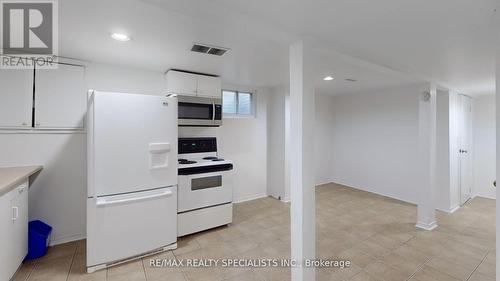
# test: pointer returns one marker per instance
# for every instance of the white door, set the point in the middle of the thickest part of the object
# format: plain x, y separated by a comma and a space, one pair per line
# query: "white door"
60, 98
209, 86
465, 148
182, 83
133, 143
16, 98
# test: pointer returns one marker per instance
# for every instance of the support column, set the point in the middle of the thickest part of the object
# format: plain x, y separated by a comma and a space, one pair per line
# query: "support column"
426, 214
498, 142
302, 114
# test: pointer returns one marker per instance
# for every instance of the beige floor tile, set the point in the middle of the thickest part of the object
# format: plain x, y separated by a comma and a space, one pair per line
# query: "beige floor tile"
66, 251
186, 244
477, 276
383, 271
407, 265
357, 257
78, 271
248, 275
427, 273
131, 271
459, 271
363, 276
24, 271
53, 269
377, 234
488, 269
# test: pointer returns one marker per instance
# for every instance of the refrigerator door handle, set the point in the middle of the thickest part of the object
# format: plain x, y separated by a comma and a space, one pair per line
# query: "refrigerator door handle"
101, 202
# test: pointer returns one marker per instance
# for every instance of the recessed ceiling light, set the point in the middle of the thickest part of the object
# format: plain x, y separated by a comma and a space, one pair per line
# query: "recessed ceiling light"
328, 78
120, 37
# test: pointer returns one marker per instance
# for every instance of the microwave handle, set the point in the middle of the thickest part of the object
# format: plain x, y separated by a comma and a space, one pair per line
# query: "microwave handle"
213, 110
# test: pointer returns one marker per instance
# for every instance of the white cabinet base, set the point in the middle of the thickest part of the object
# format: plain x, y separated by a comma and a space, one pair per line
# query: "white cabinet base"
13, 230
203, 219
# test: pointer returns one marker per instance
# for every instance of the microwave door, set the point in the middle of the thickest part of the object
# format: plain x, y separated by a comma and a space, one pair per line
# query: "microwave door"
195, 114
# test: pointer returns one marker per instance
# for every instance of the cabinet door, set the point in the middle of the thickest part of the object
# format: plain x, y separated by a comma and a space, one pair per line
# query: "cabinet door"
16, 227
20, 223
5, 234
209, 86
16, 98
181, 83
60, 99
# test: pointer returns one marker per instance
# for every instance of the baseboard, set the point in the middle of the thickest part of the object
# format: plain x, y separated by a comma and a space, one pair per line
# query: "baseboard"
449, 211
286, 200
485, 196
66, 239
427, 226
323, 183
250, 198
374, 192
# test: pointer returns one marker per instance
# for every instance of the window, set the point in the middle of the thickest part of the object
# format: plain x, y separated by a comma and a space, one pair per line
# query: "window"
237, 103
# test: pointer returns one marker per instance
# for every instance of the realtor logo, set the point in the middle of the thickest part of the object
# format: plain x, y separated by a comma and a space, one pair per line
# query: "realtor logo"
29, 30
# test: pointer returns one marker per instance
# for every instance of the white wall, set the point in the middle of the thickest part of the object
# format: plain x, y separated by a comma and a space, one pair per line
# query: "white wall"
57, 195
484, 146
244, 140
442, 194
374, 143
323, 138
276, 132
277, 124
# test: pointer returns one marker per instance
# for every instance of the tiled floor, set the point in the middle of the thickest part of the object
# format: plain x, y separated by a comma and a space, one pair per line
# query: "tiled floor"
376, 233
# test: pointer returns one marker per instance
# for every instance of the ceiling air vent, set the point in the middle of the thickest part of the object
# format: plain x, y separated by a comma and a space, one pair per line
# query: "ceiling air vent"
207, 49
351, 80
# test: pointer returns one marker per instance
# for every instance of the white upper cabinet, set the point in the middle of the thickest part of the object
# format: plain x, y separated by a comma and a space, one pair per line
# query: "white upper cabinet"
60, 98
16, 98
209, 86
189, 84
182, 83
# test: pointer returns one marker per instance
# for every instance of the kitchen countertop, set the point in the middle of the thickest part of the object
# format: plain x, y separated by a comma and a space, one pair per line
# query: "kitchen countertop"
10, 177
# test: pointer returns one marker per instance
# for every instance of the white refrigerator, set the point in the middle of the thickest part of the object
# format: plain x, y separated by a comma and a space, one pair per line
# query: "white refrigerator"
132, 176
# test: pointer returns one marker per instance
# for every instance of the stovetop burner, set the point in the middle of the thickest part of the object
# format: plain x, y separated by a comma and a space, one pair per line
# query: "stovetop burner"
210, 158
185, 161
213, 158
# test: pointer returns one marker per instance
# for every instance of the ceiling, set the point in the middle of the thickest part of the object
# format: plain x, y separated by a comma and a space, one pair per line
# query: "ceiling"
379, 43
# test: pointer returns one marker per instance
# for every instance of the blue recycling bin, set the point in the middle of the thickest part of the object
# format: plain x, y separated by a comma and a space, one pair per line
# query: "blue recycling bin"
38, 239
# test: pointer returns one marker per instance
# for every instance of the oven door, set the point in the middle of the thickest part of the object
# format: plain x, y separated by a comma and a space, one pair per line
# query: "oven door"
198, 191
199, 111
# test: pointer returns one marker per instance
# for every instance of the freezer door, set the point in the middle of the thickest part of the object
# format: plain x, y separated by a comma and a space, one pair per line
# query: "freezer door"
124, 226
132, 143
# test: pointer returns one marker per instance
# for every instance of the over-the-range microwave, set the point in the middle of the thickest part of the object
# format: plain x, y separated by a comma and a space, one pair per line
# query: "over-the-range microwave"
200, 111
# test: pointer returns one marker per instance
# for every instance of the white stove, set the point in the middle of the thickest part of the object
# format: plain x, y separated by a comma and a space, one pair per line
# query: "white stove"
202, 160
205, 190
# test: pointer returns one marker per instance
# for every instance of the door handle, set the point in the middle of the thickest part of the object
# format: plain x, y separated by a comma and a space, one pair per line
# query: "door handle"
15, 213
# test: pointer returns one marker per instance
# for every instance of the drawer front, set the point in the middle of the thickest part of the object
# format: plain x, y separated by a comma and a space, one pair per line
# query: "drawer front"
120, 227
